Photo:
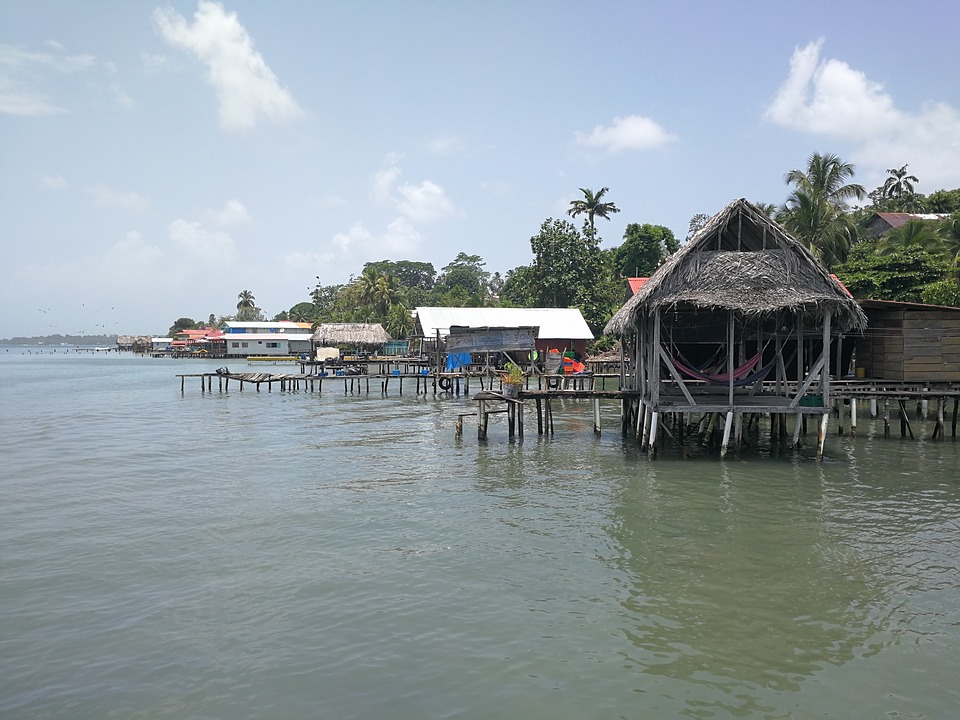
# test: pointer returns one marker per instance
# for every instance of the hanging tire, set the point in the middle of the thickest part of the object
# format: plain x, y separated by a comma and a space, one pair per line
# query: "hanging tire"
553, 382
445, 383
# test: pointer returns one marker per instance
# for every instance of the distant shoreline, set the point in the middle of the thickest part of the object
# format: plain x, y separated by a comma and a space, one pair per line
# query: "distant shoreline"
60, 340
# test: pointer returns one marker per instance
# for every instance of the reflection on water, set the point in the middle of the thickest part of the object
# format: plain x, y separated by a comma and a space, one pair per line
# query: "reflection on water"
291, 555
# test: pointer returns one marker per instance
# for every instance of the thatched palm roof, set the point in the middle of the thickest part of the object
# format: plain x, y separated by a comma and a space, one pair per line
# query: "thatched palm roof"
364, 334
743, 261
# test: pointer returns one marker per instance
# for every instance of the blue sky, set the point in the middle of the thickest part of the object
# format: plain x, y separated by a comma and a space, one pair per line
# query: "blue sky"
158, 158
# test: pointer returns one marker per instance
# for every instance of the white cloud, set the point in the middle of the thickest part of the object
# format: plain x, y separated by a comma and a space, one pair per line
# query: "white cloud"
155, 63
53, 182
400, 239
827, 97
445, 145
633, 132
121, 96
421, 202
246, 88
213, 247
232, 213
21, 72
116, 198
132, 256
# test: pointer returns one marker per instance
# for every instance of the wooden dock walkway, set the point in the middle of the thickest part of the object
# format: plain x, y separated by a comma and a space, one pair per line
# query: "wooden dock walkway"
710, 418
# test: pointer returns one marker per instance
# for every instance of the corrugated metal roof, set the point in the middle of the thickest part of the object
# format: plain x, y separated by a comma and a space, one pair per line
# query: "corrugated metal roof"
554, 323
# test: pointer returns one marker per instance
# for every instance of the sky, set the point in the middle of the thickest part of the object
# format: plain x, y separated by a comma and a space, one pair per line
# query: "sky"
156, 159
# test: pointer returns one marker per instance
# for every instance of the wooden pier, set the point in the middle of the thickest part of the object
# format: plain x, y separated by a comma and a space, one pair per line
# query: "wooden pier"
710, 422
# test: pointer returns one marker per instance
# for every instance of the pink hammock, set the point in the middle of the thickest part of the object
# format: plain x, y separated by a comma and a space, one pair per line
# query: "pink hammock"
721, 378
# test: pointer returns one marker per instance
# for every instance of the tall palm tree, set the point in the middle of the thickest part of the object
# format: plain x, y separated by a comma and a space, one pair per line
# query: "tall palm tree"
247, 304
825, 178
592, 205
899, 183
816, 210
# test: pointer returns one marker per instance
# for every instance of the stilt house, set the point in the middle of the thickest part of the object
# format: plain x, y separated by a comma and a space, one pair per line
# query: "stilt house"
739, 320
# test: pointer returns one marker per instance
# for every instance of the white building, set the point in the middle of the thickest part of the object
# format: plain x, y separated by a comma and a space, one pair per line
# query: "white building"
276, 338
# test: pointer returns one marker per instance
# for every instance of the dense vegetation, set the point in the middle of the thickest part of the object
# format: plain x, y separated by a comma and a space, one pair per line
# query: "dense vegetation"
918, 262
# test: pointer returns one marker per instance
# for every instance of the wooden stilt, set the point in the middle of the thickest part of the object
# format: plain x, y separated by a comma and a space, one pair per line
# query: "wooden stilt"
652, 444
596, 415
727, 427
853, 417
796, 430
822, 435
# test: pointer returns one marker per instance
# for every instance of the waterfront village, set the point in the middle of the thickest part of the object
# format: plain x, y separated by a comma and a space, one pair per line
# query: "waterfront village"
740, 324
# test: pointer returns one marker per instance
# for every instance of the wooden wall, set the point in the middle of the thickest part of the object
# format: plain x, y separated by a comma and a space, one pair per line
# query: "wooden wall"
911, 345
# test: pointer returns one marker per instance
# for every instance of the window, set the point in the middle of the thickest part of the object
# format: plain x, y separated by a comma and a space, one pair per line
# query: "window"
243, 344
235, 344
273, 345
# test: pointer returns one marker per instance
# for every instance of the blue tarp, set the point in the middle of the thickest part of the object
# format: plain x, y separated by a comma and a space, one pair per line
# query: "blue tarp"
457, 360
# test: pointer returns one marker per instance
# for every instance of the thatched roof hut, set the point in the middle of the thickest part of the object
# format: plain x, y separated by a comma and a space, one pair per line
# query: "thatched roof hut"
351, 334
744, 262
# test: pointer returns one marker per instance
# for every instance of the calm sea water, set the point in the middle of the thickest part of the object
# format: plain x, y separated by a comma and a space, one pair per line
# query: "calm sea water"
297, 555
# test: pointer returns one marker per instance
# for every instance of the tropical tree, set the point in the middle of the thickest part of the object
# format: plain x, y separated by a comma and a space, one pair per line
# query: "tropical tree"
643, 250
903, 274
179, 324
387, 294
398, 322
592, 206
247, 305
914, 232
899, 183
816, 210
696, 224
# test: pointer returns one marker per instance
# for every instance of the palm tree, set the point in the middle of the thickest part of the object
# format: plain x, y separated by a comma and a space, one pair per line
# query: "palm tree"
592, 206
914, 232
816, 211
949, 234
386, 293
367, 285
899, 183
825, 178
247, 304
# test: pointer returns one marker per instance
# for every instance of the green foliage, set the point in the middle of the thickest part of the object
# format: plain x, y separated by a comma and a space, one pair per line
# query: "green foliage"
247, 309
570, 270
303, 312
816, 210
943, 201
592, 206
514, 374
643, 250
464, 278
942, 292
408, 273
901, 274
179, 324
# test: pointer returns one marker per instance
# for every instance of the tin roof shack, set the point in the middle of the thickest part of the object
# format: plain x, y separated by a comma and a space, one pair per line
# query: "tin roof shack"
740, 292
910, 342
558, 327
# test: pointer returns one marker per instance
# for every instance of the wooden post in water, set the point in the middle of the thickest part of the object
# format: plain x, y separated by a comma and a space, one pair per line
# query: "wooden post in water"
853, 416
652, 444
727, 427
596, 415
822, 435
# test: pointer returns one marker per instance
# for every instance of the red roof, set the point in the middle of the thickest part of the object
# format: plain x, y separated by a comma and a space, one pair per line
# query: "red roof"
636, 283
841, 285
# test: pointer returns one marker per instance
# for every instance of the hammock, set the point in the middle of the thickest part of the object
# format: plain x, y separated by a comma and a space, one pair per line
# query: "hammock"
722, 378
742, 375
